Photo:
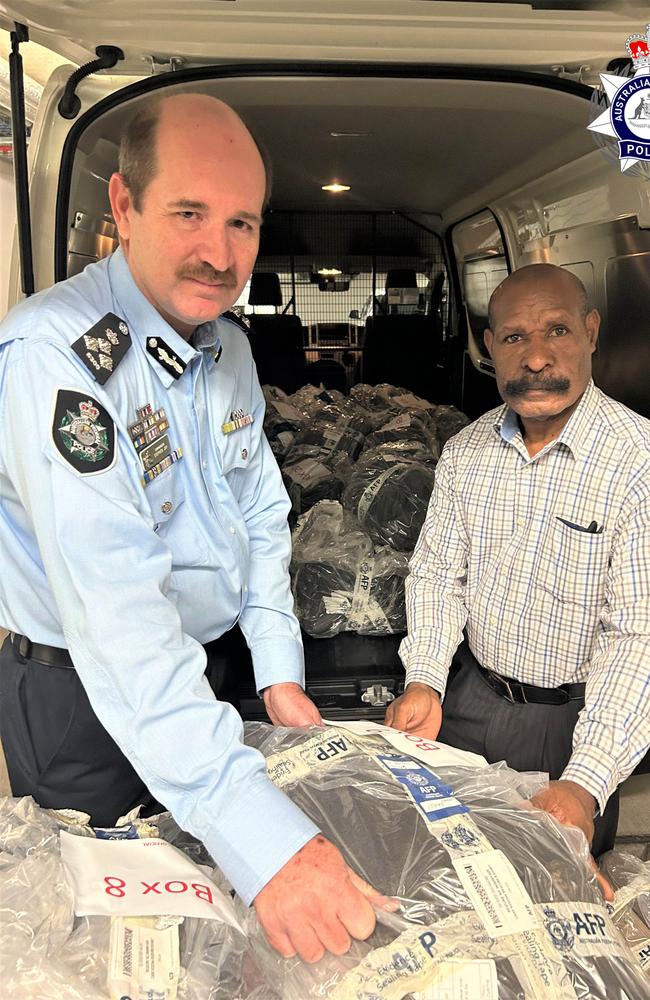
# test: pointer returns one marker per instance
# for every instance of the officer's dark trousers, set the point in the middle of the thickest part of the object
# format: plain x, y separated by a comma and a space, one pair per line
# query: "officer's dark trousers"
529, 737
57, 750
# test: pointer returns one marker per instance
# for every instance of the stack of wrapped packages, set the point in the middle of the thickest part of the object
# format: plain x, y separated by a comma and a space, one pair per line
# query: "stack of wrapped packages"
375, 452
496, 899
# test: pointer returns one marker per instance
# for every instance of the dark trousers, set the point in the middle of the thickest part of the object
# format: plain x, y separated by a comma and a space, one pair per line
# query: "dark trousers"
58, 751
528, 737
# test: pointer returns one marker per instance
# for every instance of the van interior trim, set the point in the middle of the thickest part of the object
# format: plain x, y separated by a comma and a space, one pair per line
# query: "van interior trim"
266, 70
21, 178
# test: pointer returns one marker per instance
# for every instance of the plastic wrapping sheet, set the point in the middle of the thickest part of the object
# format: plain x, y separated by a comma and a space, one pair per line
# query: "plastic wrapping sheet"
410, 832
339, 583
390, 498
630, 878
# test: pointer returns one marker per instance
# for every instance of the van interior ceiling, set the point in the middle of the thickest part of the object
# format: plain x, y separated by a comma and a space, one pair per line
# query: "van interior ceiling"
493, 172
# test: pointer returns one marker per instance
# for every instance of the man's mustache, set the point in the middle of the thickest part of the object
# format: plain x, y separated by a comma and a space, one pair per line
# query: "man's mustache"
520, 386
208, 275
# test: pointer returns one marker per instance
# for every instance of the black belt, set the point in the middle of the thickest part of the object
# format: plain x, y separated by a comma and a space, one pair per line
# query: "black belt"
523, 694
50, 656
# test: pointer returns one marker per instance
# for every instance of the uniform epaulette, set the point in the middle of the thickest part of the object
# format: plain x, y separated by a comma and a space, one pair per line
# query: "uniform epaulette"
103, 346
240, 321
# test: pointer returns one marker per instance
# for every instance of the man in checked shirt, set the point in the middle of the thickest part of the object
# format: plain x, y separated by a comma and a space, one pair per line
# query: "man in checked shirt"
536, 545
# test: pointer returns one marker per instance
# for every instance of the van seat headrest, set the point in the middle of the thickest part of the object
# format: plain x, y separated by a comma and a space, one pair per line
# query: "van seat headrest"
265, 289
402, 277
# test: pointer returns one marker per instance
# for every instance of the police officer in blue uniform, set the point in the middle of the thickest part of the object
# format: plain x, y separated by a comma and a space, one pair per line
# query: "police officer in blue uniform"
143, 515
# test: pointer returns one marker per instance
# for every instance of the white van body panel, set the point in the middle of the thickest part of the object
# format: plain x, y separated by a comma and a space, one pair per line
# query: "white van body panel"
196, 31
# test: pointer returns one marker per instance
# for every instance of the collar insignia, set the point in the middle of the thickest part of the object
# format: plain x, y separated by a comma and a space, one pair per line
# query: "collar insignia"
165, 357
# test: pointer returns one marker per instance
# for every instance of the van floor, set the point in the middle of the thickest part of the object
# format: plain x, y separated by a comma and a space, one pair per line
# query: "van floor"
633, 827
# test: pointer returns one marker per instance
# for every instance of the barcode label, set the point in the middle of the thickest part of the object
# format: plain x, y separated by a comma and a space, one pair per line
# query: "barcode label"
497, 893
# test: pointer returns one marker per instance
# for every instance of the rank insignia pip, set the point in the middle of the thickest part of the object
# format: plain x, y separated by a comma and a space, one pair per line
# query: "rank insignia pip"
103, 346
83, 432
165, 357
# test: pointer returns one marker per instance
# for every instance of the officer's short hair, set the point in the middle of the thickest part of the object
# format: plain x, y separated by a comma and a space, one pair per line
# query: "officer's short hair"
137, 161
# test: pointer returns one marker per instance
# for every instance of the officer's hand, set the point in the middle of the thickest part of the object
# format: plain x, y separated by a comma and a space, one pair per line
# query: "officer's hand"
573, 805
417, 711
288, 705
316, 903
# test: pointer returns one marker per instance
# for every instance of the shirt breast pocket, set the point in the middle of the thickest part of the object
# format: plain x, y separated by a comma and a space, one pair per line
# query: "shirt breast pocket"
236, 450
166, 495
576, 564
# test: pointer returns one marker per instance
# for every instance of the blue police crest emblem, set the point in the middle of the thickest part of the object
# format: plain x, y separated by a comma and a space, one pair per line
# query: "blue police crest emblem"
559, 930
459, 837
627, 119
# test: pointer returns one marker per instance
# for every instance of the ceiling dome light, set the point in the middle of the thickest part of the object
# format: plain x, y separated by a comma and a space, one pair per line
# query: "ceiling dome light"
329, 272
335, 187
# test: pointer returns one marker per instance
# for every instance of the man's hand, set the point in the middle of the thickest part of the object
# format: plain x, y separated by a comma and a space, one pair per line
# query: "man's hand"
316, 903
288, 705
573, 805
417, 711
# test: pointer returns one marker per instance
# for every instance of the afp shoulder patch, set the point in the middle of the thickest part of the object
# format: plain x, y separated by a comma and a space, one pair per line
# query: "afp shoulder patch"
83, 432
240, 321
103, 346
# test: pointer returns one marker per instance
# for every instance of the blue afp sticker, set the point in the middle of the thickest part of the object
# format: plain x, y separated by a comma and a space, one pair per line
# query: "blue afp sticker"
434, 799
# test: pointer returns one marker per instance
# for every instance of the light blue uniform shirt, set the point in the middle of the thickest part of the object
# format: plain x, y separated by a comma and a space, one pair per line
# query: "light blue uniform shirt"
132, 578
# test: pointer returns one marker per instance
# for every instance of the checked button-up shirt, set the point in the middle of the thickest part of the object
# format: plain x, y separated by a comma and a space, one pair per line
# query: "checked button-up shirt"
501, 554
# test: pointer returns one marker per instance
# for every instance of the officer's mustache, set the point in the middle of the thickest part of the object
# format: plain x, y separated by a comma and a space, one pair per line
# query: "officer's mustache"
520, 386
208, 275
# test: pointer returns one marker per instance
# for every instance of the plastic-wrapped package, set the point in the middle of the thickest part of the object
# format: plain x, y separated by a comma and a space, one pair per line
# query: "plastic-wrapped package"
630, 877
371, 397
339, 583
390, 499
311, 474
404, 427
334, 594
494, 894
383, 456
449, 421
282, 422
47, 953
334, 438
272, 393
309, 399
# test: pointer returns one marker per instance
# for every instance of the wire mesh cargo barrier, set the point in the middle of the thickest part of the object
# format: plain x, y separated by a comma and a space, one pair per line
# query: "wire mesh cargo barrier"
497, 900
375, 451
